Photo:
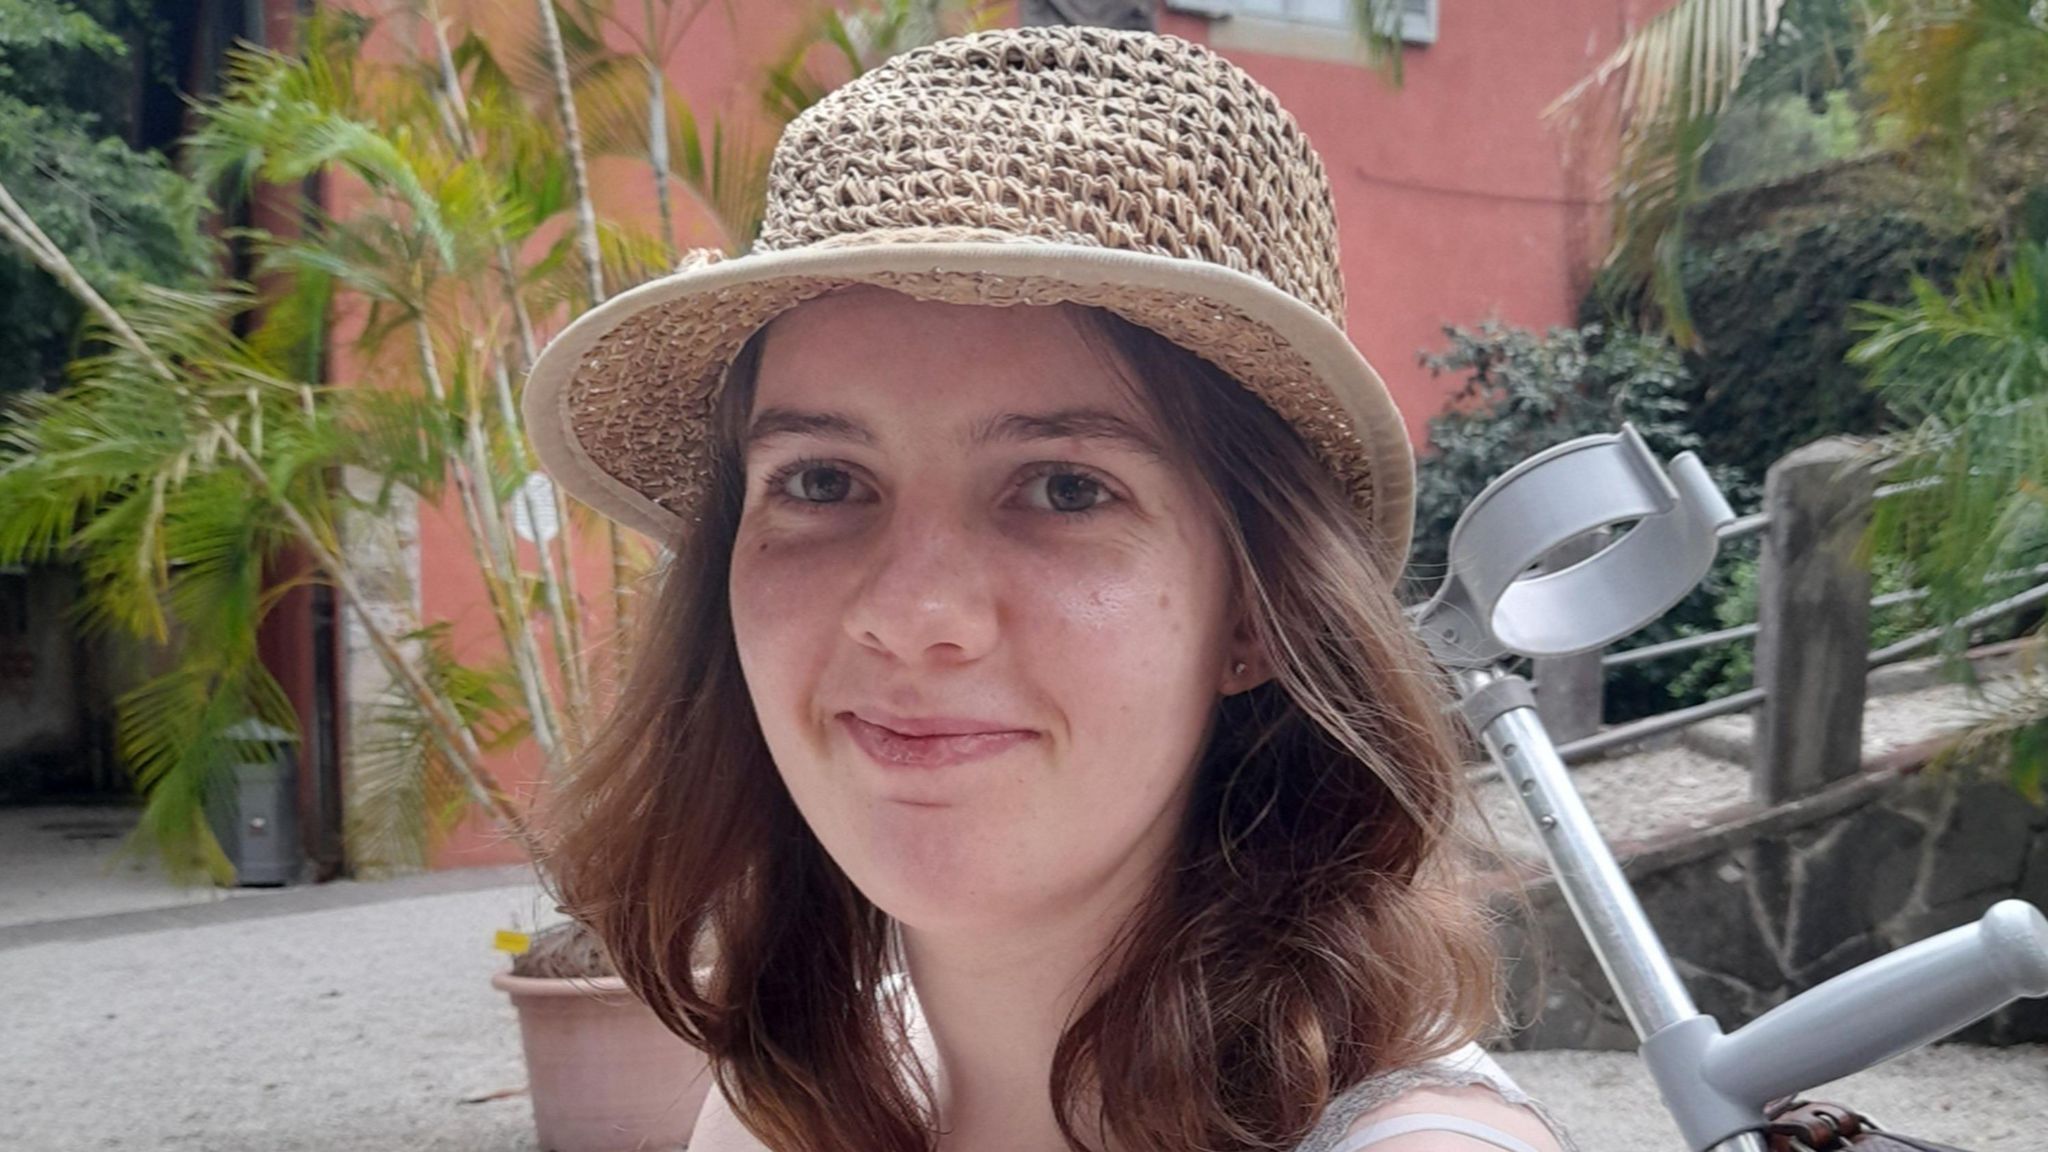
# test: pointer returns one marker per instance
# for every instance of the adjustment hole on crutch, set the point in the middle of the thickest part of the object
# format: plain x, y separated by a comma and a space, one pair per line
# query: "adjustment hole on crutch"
1507, 750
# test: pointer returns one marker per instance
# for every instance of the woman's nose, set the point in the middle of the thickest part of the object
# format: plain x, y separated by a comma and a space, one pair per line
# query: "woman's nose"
927, 594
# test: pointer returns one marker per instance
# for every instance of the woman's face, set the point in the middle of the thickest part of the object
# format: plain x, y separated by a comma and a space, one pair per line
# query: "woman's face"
983, 618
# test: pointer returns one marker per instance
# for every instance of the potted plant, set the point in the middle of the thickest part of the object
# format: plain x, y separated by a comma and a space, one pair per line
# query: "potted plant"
603, 1071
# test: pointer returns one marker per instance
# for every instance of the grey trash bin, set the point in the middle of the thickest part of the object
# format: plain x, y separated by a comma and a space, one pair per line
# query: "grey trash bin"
255, 818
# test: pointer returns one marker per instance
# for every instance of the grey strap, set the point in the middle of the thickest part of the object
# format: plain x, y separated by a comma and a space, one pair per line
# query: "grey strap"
1430, 1122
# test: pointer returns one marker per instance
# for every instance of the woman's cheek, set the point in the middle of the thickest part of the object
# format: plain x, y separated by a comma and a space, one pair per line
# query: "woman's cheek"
777, 594
1114, 616
1098, 602
1137, 578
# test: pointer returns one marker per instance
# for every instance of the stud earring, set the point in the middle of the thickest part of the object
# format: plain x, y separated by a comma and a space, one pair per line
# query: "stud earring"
1237, 669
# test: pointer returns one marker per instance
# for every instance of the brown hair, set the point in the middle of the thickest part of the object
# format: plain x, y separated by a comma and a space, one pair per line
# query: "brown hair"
1313, 929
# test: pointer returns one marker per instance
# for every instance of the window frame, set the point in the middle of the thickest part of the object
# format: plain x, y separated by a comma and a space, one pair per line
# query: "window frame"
1418, 25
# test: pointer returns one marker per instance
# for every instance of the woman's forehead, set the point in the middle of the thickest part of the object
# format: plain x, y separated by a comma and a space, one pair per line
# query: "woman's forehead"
878, 356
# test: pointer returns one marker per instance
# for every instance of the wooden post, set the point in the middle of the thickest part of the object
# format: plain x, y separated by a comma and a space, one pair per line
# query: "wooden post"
1570, 689
1813, 612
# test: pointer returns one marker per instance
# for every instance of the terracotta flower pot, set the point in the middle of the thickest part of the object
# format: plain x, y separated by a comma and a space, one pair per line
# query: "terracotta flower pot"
604, 1073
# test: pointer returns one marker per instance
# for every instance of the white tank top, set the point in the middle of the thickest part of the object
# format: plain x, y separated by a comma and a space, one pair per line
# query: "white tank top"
1468, 1066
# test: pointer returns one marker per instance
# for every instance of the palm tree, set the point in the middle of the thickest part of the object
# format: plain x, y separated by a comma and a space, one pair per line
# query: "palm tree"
1677, 73
177, 462
1969, 374
1953, 77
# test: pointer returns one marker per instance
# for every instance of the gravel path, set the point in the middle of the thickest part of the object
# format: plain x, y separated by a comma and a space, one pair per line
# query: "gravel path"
63, 861
1639, 795
1981, 1099
344, 1030
1898, 719
364, 1028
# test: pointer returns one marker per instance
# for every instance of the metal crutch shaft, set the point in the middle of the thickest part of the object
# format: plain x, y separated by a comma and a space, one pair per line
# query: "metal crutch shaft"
1502, 710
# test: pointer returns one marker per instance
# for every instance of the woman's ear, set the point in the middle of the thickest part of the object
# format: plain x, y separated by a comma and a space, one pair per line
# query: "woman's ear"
1246, 666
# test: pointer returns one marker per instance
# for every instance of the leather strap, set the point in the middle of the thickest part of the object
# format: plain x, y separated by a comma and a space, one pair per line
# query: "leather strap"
1819, 1126
1815, 1124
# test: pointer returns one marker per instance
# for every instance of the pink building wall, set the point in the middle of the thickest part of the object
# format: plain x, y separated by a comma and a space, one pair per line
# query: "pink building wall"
1454, 199
1456, 202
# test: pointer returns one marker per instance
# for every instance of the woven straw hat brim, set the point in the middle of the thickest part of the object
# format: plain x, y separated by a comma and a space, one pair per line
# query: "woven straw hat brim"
618, 404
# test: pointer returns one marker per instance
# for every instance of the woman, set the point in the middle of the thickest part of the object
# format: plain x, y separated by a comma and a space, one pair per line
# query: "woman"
1025, 749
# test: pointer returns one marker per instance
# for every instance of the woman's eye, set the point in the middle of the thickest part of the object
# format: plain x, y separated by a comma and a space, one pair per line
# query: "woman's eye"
1057, 490
1067, 492
818, 484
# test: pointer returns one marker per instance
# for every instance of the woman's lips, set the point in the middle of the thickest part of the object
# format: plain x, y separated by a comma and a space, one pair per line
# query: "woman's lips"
893, 749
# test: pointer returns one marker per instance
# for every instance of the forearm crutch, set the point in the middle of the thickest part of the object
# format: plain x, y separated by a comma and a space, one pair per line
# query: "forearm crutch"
1492, 605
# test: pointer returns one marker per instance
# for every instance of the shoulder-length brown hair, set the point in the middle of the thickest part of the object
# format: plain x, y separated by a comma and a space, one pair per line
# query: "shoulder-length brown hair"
1312, 930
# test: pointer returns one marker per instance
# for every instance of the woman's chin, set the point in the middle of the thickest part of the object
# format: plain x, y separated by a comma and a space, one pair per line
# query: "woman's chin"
939, 877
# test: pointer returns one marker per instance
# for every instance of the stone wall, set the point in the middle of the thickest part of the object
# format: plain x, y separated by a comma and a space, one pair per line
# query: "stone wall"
1758, 910
384, 551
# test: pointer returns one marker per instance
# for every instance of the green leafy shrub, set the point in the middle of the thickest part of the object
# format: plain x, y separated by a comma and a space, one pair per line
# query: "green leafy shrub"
122, 212
1774, 276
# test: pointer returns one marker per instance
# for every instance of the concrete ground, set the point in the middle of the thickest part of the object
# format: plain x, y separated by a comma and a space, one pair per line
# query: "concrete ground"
60, 861
359, 1018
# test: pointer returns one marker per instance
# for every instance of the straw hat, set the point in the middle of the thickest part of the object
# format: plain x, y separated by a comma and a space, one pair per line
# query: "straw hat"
1132, 171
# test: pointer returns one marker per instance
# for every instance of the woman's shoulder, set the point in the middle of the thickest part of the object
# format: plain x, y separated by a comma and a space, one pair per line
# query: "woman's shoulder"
1466, 1084
718, 1130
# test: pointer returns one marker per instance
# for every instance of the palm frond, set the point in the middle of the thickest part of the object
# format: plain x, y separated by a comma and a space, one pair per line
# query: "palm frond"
858, 38
728, 176
522, 146
274, 122
611, 97
401, 437
1676, 75
1934, 67
555, 281
47, 496
1687, 61
1969, 374
632, 255
403, 796
176, 731
2013, 713
98, 470
1377, 25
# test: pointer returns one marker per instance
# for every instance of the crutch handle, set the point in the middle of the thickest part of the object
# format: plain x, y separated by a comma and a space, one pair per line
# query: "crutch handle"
1890, 1005
1716, 1086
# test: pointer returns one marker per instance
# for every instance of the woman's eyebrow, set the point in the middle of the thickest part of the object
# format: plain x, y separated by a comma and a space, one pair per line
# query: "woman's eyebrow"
1014, 427
771, 422
1067, 424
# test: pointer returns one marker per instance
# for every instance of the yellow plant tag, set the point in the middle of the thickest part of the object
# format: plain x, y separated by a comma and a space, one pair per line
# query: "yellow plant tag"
514, 942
